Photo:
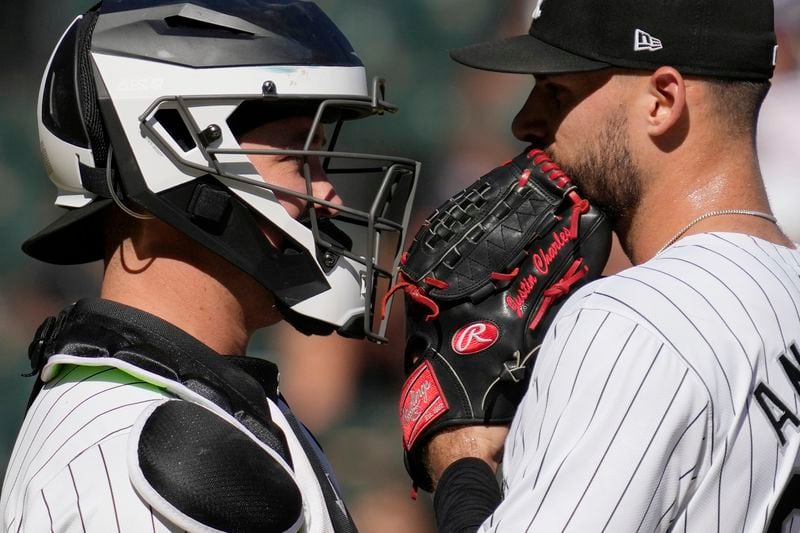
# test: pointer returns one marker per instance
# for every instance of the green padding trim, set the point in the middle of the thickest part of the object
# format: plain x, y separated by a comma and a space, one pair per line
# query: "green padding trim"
72, 373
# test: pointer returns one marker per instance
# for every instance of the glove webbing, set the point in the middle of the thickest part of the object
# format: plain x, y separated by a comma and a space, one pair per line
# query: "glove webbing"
580, 206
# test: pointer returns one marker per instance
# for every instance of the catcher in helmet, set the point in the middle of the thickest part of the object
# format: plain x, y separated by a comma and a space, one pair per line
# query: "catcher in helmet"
194, 148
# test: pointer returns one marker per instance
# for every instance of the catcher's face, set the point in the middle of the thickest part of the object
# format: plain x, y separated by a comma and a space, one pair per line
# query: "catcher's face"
287, 171
581, 120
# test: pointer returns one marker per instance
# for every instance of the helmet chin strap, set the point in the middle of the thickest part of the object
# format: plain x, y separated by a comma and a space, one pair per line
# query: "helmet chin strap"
112, 192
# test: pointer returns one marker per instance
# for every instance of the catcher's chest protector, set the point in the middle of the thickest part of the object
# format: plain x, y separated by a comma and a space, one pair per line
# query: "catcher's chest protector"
211, 458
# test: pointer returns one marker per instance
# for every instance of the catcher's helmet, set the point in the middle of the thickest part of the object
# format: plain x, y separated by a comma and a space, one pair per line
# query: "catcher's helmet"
141, 105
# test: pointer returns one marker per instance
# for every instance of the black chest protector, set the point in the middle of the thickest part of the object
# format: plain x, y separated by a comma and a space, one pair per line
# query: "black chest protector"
212, 458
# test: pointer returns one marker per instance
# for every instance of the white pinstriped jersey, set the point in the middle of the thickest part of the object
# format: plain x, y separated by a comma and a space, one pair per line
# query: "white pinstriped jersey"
666, 398
69, 470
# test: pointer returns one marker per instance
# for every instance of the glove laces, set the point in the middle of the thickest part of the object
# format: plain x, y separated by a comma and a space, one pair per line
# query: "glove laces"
558, 289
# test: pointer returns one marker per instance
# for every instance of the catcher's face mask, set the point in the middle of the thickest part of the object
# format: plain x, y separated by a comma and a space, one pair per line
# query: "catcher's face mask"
354, 237
160, 137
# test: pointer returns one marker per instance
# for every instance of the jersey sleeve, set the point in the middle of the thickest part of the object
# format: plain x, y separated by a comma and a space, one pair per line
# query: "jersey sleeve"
610, 436
69, 471
93, 494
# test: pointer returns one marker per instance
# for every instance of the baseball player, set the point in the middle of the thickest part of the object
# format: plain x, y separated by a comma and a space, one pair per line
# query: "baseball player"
191, 144
664, 398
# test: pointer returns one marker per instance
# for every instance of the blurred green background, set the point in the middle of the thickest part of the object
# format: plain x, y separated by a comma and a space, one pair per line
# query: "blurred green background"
455, 120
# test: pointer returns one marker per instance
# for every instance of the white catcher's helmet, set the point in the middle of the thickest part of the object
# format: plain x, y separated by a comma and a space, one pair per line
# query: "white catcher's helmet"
140, 106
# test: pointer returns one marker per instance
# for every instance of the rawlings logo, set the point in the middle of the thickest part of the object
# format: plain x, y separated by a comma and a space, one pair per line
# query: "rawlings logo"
542, 259
416, 399
474, 338
421, 403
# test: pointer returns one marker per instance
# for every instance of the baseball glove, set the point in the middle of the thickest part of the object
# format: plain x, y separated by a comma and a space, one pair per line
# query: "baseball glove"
483, 279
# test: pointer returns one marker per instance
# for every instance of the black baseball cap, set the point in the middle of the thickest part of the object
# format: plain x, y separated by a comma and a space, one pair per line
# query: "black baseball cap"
732, 39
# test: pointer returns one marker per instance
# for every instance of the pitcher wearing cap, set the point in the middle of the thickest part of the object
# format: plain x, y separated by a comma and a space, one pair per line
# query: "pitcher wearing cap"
666, 397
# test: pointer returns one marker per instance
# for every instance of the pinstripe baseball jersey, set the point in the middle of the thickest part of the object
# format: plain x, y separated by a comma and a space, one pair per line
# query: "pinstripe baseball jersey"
70, 470
666, 398
76, 465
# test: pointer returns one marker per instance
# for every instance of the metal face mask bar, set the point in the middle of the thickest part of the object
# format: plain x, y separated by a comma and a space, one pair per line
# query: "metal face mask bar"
397, 186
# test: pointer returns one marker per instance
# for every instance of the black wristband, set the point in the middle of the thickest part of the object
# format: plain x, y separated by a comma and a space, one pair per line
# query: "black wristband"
467, 494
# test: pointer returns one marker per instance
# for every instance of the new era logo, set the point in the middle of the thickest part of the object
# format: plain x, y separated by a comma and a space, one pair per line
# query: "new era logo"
646, 42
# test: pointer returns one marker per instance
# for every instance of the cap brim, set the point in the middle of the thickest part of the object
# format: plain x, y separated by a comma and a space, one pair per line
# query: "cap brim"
523, 54
74, 238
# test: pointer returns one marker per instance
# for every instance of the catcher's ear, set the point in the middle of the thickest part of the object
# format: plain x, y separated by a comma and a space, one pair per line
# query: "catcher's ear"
667, 101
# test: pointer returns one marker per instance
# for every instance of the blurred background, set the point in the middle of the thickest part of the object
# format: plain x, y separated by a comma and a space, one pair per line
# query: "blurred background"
455, 120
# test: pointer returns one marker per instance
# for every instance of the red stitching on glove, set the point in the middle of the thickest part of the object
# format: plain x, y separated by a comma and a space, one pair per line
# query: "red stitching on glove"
499, 276
578, 209
576, 199
546, 165
559, 289
523, 179
538, 156
416, 294
439, 284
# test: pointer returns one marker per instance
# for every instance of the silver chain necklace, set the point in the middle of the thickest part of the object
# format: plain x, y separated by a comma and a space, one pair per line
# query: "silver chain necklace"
759, 214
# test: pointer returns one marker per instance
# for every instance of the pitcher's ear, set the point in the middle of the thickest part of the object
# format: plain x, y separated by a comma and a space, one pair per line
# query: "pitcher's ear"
667, 92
